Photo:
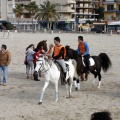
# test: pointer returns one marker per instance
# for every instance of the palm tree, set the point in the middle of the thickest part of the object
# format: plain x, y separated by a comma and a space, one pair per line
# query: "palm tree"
32, 8
18, 10
48, 12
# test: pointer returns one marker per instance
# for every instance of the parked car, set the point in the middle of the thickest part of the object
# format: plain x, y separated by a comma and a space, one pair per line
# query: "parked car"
97, 30
118, 30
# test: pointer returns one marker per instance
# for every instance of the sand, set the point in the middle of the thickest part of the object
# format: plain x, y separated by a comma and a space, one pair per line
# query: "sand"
19, 99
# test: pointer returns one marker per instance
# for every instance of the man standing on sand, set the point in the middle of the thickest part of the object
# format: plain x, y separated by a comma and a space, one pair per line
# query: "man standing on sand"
5, 58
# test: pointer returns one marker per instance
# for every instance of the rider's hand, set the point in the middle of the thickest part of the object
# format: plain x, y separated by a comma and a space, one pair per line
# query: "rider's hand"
82, 55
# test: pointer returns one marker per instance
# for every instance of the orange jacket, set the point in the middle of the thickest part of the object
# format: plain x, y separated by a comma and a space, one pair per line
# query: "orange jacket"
57, 50
82, 48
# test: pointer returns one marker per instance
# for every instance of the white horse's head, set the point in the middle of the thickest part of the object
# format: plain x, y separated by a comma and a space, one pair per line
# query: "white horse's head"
41, 64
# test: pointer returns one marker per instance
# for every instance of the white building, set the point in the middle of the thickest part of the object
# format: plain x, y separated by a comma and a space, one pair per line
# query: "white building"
69, 10
6, 13
6, 7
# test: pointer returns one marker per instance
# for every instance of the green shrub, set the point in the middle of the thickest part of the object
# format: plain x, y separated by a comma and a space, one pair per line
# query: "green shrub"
9, 26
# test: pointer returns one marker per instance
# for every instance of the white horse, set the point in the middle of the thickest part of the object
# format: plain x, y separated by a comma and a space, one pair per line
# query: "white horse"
52, 74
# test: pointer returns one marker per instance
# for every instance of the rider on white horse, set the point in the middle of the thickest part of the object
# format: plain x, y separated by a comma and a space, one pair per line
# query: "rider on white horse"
59, 55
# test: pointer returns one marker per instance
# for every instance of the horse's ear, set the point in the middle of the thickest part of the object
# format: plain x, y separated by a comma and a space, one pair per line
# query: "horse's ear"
45, 40
67, 47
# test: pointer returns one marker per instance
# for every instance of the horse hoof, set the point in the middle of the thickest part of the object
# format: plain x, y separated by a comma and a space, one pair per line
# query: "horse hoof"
76, 89
63, 83
98, 87
39, 103
68, 96
56, 101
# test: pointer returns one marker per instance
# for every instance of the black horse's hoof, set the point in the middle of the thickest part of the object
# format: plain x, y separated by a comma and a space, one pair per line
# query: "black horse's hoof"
76, 89
39, 103
37, 80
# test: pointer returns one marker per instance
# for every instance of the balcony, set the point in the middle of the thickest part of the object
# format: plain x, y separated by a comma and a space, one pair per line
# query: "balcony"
85, 7
63, 2
87, 1
71, 1
111, 0
108, 1
65, 10
24, 2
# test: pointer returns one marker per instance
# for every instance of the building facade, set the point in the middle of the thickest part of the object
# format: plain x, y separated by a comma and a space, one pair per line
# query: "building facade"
85, 10
65, 9
73, 12
111, 9
7, 6
6, 9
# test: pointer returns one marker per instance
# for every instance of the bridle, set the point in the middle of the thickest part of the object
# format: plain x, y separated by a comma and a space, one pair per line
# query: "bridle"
41, 64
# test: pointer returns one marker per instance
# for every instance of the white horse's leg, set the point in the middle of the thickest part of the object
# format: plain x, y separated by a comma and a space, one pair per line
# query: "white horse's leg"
56, 91
99, 84
70, 89
42, 94
78, 86
94, 81
67, 93
75, 83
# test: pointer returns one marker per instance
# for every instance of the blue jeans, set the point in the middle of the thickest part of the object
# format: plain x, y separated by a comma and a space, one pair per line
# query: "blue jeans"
5, 73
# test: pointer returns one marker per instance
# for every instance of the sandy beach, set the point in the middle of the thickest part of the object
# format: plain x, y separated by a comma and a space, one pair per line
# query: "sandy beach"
19, 99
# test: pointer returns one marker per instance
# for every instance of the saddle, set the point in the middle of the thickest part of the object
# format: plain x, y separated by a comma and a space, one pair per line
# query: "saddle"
91, 61
61, 71
60, 67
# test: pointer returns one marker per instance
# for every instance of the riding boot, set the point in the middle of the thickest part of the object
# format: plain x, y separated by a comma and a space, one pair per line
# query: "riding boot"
64, 80
88, 69
35, 75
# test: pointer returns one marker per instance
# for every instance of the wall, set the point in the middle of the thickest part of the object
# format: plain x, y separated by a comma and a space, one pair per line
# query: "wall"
3, 9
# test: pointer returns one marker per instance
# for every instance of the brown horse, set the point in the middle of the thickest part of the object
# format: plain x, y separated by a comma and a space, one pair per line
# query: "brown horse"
43, 45
101, 61
40, 45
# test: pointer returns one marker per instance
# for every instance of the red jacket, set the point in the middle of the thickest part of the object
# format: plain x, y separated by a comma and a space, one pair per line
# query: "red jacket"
36, 56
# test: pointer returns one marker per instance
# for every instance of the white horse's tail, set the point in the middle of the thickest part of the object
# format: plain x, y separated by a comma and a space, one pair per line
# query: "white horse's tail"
75, 66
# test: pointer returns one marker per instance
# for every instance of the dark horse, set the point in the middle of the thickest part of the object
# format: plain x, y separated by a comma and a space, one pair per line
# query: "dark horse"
101, 61
40, 45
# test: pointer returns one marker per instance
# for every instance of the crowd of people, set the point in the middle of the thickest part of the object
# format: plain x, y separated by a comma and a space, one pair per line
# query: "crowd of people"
56, 52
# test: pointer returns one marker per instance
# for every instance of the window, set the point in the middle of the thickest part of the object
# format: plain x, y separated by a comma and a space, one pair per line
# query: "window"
110, 7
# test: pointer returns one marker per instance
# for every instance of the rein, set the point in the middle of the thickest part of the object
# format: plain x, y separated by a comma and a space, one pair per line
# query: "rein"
44, 69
